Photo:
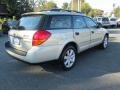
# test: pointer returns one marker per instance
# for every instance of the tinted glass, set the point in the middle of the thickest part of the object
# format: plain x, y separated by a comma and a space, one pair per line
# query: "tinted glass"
113, 19
78, 22
90, 23
13, 23
29, 22
105, 19
99, 19
59, 22
95, 19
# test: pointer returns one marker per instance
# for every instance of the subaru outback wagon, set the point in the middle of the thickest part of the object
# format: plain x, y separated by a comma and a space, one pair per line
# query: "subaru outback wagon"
53, 35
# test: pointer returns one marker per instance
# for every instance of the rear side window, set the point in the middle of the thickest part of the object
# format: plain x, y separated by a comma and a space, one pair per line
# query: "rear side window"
60, 22
90, 23
78, 22
29, 22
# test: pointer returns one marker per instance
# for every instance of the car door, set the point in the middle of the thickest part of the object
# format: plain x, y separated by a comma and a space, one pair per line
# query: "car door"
95, 31
81, 32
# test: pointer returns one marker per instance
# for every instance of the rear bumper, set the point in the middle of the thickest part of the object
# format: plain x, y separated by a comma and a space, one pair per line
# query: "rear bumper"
35, 54
105, 24
115, 24
11, 49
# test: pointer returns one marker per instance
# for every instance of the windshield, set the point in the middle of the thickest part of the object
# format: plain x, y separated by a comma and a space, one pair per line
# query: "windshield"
29, 22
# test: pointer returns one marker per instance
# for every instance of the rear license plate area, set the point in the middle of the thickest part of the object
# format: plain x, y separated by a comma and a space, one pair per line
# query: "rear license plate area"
16, 41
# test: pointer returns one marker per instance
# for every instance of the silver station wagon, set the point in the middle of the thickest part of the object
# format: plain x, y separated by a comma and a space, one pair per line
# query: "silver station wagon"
54, 35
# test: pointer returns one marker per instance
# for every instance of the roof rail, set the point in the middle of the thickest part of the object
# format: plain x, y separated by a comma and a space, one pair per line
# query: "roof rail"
62, 10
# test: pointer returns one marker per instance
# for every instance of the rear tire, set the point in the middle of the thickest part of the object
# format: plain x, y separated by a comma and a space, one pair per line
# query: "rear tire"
68, 58
104, 44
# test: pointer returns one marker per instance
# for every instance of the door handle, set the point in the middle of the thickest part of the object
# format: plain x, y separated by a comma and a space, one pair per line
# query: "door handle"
76, 33
92, 32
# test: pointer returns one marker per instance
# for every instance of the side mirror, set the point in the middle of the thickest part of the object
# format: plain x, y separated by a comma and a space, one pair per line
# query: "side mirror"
99, 25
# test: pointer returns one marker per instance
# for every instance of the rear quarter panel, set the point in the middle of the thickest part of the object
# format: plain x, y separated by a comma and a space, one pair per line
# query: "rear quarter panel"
59, 38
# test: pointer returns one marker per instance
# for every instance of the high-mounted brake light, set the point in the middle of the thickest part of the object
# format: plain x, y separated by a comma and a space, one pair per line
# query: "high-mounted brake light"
40, 37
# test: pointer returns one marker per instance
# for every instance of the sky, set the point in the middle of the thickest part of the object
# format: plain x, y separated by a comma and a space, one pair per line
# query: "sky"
106, 5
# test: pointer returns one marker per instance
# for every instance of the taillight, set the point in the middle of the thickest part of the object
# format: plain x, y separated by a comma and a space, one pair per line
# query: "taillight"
40, 37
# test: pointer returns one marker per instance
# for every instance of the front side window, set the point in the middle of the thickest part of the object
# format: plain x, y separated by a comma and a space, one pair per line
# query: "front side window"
78, 22
60, 22
90, 23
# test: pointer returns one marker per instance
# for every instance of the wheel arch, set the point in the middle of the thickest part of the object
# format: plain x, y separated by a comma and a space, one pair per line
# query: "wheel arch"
107, 34
72, 44
67, 44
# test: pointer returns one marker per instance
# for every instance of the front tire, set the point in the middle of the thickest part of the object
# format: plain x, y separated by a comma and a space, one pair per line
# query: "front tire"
68, 58
104, 44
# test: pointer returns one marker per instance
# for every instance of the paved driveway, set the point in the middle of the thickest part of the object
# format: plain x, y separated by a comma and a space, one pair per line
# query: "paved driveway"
95, 70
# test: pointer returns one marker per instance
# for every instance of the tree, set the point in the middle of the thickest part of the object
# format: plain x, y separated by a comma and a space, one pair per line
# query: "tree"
17, 7
45, 5
65, 6
33, 3
117, 12
86, 8
75, 4
2, 1
38, 4
50, 5
95, 12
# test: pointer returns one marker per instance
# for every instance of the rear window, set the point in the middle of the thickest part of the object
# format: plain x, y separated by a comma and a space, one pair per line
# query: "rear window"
60, 22
113, 19
105, 19
29, 22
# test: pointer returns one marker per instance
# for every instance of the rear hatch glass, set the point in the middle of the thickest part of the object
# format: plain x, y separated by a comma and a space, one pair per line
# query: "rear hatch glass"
105, 19
21, 38
30, 22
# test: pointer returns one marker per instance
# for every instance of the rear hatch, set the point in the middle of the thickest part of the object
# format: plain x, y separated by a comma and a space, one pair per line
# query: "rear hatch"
21, 37
113, 21
105, 20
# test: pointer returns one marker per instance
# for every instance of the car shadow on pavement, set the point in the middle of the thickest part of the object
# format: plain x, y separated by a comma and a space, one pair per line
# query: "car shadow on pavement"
91, 63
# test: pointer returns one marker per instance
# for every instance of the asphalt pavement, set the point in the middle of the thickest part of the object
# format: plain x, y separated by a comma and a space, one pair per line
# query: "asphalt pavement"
96, 69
